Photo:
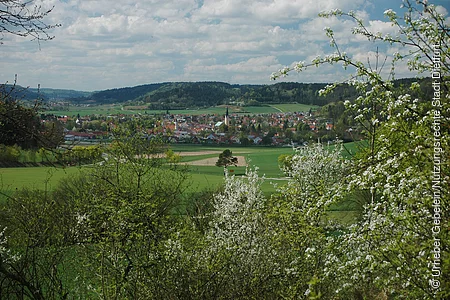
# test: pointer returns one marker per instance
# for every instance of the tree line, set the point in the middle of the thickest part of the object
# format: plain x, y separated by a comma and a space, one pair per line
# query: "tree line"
180, 95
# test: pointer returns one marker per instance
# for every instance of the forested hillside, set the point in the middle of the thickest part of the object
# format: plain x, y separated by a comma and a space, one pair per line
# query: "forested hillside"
204, 94
24, 93
123, 94
21, 93
180, 95
173, 95
60, 94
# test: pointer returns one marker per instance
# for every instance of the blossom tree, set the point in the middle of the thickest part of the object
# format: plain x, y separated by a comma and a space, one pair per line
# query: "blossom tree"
259, 247
399, 248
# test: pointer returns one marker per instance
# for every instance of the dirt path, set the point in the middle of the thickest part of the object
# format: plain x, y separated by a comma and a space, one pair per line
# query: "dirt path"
195, 153
212, 161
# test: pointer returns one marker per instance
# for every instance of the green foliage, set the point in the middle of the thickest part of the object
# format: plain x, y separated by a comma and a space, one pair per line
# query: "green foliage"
126, 213
33, 264
285, 162
171, 157
247, 246
16, 156
181, 95
20, 125
113, 216
9, 153
226, 159
82, 155
387, 253
226, 258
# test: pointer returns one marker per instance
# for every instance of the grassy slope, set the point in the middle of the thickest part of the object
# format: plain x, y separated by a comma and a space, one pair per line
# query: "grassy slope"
202, 177
266, 159
294, 107
44, 178
219, 110
92, 110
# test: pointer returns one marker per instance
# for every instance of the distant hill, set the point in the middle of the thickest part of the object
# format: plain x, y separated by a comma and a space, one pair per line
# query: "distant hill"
44, 94
123, 94
191, 94
181, 95
61, 94
176, 95
20, 93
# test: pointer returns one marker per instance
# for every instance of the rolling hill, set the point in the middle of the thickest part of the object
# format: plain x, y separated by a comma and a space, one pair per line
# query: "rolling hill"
182, 95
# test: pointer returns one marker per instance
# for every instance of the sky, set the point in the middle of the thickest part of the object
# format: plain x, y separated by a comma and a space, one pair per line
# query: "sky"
104, 44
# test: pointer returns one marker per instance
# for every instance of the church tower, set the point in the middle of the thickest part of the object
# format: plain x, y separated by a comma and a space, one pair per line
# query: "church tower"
227, 118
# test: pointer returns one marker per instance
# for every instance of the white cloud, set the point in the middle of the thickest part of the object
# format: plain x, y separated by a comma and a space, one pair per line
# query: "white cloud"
256, 64
254, 69
225, 8
377, 26
106, 44
269, 11
441, 10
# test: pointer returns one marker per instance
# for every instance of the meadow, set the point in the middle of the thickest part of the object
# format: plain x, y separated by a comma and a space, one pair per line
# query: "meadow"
264, 158
201, 177
43, 178
114, 109
294, 107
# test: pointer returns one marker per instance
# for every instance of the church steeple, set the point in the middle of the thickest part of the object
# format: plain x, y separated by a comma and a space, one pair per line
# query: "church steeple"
227, 119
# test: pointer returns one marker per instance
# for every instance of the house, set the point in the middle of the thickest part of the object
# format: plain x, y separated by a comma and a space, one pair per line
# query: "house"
211, 138
181, 134
235, 140
63, 119
83, 136
257, 140
77, 136
329, 126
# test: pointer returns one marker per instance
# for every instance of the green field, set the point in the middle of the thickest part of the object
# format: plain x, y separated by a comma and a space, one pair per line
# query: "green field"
201, 176
294, 107
33, 177
91, 110
264, 158
43, 178
113, 109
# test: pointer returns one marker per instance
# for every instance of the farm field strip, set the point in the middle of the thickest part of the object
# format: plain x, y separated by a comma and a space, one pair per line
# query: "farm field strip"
212, 161
293, 107
43, 178
265, 159
197, 153
108, 109
202, 176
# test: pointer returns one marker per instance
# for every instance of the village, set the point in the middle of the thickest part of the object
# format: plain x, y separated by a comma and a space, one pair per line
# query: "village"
272, 129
